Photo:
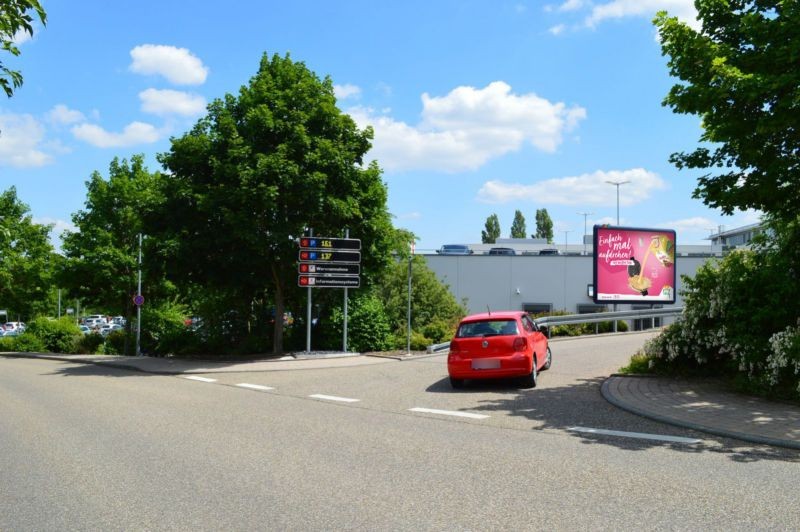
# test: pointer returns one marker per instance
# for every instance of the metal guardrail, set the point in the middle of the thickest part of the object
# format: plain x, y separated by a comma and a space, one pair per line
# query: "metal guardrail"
595, 317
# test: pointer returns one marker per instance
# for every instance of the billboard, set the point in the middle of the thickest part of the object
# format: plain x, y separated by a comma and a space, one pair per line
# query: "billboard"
633, 265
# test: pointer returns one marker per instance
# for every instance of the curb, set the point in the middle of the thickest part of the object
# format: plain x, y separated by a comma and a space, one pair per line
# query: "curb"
752, 438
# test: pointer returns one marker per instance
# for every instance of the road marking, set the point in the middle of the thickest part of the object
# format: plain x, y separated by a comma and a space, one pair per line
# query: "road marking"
334, 398
639, 435
448, 413
201, 379
254, 386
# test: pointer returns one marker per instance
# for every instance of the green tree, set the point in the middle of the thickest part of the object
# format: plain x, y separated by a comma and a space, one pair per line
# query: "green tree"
27, 259
492, 231
259, 171
518, 229
16, 16
544, 225
102, 255
739, 74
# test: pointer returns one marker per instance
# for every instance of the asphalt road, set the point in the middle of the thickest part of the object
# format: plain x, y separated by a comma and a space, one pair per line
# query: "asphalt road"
93, 448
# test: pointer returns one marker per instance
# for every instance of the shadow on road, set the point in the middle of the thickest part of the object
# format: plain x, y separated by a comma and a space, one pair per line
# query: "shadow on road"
581, 404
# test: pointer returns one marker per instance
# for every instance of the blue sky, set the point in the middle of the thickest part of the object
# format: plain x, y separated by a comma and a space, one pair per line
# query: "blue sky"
479, 107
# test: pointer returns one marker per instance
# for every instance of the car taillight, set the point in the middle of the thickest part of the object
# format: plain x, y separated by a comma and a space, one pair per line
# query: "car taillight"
520, 344
453, 347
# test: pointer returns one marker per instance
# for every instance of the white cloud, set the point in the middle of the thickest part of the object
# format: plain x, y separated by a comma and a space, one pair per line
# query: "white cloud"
410, 216
571, 5
20, 141
133, 134
617, 9
585, 189
346, 91
468, 127
63, 115
165, 102
178, 65
558, 29
695, 224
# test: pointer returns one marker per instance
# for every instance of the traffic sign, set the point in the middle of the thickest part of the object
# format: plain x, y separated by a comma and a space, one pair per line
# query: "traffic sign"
324, 242
138, 300
329, 269
330, 256
328, 281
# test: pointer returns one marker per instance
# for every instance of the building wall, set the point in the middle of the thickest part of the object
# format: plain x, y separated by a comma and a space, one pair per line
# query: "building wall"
509, 282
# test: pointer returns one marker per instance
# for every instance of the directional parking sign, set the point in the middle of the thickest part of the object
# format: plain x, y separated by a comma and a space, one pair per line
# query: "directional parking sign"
329, 269
329, 281
330, 256
324, 242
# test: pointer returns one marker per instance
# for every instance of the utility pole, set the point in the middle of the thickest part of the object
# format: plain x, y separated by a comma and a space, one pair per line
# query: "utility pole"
139, 307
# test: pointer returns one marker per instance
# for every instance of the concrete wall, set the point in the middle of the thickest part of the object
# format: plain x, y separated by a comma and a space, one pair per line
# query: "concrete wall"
508, 282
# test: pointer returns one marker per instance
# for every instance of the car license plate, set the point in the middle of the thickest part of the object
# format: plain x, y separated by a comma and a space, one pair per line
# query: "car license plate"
486, 363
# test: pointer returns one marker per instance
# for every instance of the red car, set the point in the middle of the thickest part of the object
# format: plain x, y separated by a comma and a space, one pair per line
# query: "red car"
498, 345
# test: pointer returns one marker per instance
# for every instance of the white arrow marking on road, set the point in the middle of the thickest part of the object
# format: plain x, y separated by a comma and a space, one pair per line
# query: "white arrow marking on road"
334, 398
639, 435
254, 386
448, 413
201, 379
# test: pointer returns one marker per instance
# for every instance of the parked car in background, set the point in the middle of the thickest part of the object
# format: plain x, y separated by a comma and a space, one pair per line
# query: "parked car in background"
498, 345
502, 251
94, 322
84, 329
454, 249
14, 326
549, 251
119, 320
108, 328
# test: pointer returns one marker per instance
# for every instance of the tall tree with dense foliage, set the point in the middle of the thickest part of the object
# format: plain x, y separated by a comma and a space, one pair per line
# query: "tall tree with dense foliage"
740, 74
16, 16
27, 259
518, 229
492, 230
259, 171
544, 225
102, 255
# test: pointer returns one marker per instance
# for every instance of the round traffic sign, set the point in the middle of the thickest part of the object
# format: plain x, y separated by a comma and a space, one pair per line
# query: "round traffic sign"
138, 300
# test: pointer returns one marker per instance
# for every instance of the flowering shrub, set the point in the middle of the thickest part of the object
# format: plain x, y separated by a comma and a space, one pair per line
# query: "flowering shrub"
741, 317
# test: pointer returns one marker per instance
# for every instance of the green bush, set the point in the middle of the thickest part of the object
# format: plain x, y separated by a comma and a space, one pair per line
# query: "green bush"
367, 325
88, 344
741, 317
27, 343
115, 343
57, 336
439, 331
163, 329
419, 342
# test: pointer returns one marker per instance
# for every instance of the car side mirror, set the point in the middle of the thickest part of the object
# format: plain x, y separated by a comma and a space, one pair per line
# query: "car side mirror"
545, 330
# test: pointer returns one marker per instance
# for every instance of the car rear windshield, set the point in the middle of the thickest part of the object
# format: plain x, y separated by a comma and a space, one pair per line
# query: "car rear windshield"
487, 328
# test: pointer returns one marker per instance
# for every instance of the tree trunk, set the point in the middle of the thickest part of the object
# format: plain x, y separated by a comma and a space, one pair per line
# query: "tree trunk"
277, 336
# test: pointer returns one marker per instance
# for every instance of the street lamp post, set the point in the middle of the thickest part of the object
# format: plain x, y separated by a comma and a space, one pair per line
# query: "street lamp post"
617, 184
585, 215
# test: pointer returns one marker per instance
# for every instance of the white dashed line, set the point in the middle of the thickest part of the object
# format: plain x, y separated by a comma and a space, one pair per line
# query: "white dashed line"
201, 379
334, 398
448, 413
254, 387
639, 435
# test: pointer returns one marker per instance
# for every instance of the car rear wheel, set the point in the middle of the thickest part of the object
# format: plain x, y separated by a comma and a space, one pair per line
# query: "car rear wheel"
456, 383
548, 360
529, 381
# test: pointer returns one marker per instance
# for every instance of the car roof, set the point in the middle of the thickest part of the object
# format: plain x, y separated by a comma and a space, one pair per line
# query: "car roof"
498, 315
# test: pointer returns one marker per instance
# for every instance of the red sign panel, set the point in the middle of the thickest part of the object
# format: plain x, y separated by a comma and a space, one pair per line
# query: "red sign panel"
634, 265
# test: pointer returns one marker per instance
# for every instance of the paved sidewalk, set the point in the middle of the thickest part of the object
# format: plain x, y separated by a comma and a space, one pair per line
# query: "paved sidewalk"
176, 366
706, 406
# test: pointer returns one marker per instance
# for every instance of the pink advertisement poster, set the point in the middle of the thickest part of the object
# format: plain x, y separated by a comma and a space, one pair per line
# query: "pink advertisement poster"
634, 265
